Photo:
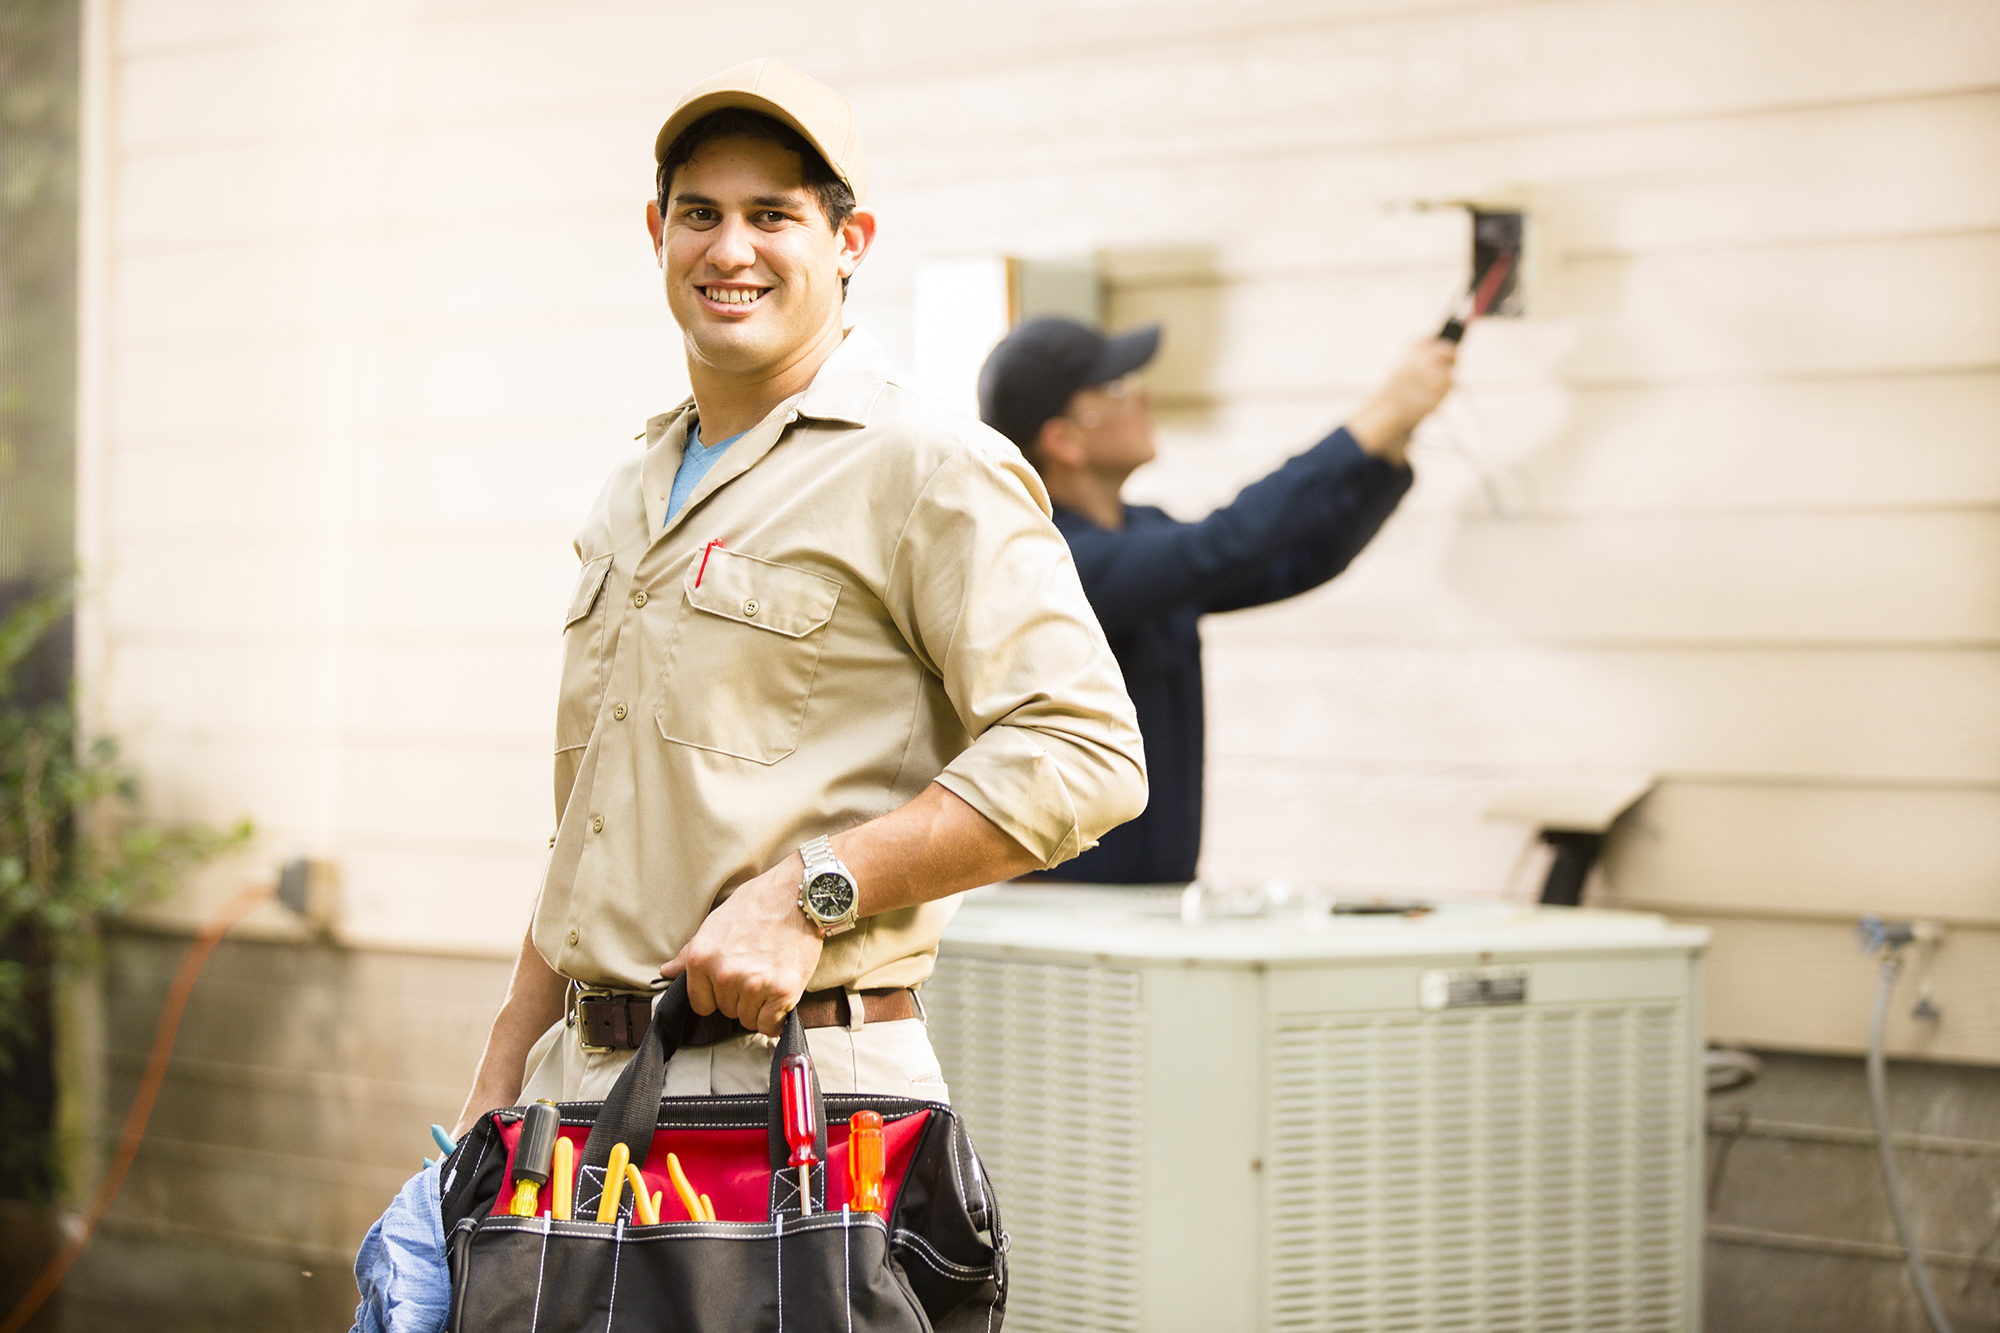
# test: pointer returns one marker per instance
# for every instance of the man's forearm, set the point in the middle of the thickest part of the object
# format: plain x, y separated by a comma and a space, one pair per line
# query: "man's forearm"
534, 1001
935, 846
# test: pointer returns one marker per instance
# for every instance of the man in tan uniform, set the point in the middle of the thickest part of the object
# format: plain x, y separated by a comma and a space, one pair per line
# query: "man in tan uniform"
819, 620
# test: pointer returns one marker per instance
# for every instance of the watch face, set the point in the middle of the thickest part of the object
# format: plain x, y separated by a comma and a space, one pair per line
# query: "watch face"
829, 895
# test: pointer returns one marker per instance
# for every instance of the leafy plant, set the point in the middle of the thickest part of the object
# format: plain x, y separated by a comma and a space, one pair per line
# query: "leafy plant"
74, 853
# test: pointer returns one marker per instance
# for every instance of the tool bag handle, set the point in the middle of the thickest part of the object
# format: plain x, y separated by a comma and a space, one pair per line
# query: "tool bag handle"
631, 1109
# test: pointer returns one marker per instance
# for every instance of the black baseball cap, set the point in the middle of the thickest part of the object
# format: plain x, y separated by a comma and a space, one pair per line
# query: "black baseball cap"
1035, 370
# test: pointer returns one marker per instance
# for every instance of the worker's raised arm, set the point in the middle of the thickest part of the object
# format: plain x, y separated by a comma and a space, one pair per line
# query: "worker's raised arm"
1154, 565
1384, 424
1282, 535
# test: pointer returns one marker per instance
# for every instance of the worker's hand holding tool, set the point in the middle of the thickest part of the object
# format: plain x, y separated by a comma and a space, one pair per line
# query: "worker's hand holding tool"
753, 956
1413, 390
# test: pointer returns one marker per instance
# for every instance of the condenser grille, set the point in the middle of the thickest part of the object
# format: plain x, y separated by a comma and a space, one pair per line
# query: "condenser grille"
1044, 1062
1479, 1172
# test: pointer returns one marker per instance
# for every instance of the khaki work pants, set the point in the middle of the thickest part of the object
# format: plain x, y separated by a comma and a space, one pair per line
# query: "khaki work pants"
892, 1059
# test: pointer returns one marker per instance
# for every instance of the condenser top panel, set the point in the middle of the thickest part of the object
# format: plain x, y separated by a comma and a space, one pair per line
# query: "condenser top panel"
1169, 925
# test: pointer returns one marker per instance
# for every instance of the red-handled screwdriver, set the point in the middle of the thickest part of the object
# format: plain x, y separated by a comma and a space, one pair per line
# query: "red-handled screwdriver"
1479, 299
801, 1124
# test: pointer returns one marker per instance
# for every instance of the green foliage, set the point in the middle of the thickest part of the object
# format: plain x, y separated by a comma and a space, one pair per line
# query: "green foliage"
73, 852
40, 62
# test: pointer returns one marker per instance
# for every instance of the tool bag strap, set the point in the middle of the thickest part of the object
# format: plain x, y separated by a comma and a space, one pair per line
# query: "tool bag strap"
631, 1109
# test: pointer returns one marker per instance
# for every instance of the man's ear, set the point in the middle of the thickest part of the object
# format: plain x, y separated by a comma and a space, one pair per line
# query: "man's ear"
1059, 441
856, 235
658, 227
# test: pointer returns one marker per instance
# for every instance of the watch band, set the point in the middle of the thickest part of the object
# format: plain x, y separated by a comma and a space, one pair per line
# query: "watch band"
819, 856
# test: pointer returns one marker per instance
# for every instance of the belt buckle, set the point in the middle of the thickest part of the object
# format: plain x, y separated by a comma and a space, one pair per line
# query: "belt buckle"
582, 1029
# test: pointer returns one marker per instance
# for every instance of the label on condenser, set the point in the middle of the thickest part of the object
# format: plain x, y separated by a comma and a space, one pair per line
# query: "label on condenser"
1463, 987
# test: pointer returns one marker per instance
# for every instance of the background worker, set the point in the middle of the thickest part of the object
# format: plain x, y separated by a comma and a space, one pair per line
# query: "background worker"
827, 663
1071, 399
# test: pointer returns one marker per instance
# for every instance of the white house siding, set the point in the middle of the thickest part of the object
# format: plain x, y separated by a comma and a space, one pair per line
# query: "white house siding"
370, 313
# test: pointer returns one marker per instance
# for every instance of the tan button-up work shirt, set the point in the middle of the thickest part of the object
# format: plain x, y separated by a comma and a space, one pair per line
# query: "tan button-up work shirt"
865, 595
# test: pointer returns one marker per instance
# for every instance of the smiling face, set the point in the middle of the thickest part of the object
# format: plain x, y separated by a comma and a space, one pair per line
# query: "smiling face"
752, 267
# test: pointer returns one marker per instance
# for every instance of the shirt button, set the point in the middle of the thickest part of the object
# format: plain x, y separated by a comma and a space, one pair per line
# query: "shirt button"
618, 713
750, 606
572, 934
639, 597
597, 823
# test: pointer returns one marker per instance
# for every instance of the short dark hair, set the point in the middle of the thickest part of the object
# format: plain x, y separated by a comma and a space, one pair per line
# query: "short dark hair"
836, 201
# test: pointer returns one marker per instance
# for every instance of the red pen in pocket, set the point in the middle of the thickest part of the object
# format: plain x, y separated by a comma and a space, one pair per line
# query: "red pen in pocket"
704, 560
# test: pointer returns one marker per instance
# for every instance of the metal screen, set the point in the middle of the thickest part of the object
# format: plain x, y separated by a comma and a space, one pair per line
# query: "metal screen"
1044, 1061
1485, 1172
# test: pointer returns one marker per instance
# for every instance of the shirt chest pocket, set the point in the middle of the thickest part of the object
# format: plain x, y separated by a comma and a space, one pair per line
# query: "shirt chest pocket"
742, 655
583, 654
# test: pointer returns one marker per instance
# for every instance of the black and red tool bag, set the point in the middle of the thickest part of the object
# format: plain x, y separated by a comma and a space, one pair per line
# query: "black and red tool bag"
932, 1259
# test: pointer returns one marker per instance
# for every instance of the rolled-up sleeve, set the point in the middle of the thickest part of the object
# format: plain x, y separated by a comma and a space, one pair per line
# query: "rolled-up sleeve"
985, 591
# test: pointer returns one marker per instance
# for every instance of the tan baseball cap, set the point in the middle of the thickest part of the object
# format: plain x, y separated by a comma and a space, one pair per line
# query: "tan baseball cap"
782, 93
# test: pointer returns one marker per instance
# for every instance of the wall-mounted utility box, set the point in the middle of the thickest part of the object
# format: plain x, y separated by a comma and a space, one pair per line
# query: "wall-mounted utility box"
1496, 232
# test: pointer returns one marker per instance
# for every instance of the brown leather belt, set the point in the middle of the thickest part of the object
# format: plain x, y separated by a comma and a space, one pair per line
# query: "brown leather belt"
608, 1020
828, 1008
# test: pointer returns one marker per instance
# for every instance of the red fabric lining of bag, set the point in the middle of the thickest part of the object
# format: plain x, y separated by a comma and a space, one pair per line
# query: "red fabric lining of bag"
731, 1166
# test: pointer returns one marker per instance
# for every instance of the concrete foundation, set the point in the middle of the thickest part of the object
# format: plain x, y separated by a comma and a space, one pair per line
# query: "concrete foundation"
1800, 1237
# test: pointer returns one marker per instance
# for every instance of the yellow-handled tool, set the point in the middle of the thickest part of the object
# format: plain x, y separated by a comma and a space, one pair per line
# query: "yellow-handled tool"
540, 1128
644, 1210
689, 1199
614, 1183
562, 1180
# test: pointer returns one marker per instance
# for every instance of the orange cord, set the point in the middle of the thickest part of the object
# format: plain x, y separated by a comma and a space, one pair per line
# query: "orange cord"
192, 963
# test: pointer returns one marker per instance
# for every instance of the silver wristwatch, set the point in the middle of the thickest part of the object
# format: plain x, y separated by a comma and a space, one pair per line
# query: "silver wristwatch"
828, 895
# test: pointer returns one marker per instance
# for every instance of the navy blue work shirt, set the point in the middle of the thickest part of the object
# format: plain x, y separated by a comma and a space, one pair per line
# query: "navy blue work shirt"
1153, 580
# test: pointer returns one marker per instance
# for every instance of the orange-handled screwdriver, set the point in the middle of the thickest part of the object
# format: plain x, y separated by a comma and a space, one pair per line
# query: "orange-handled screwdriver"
864, 1162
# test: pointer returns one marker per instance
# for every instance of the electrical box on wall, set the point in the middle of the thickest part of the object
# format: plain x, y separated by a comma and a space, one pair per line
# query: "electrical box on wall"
1499, 233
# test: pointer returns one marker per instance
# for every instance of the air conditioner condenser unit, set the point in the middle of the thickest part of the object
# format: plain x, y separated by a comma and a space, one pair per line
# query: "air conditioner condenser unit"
1473, 1120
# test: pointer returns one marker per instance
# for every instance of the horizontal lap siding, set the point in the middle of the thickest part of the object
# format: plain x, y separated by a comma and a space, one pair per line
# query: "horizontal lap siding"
1722, 508
1894, 715
378, 315
1659, 580
374, 316
1829, 852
